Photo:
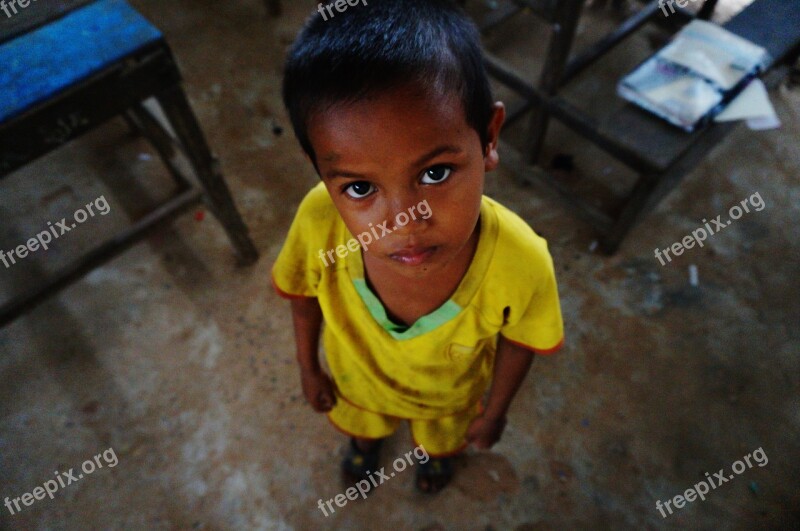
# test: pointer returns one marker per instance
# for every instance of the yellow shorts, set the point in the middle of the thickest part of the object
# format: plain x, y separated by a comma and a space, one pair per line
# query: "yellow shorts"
440, 437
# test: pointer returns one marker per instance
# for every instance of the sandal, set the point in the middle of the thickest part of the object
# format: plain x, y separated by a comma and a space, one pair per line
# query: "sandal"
357, 464
434, 474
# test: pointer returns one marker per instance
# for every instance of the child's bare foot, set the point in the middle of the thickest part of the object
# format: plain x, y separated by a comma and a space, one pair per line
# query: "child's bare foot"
434, 474
362, 458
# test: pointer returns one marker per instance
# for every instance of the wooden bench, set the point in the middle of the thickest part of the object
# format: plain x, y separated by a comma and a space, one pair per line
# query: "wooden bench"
660, 153
79, 68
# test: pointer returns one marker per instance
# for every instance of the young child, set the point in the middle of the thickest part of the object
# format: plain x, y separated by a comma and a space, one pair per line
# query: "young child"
451, 294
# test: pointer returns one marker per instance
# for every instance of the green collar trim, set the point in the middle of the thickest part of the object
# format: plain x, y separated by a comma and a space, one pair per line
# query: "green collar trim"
423, 325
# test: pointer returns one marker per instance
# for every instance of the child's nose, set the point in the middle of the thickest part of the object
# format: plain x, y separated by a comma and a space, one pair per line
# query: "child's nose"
407, 211
408, 221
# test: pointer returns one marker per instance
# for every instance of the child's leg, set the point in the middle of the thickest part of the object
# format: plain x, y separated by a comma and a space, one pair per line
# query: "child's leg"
441, 438
366, 445
366, 430
445, 436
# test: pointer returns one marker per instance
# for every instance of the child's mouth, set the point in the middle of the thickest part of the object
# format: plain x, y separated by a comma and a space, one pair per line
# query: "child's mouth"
413, 256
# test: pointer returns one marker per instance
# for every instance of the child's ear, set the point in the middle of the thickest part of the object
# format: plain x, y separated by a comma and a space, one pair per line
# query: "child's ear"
490, 157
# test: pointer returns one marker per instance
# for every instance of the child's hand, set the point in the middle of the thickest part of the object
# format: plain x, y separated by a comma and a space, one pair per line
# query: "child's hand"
318, 390
483, 432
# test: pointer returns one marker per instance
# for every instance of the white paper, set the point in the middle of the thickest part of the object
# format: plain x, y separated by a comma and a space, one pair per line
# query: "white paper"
714, 53
763, 123
752, 105
688, 79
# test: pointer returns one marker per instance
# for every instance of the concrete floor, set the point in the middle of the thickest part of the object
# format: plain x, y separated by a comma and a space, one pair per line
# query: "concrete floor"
183, 363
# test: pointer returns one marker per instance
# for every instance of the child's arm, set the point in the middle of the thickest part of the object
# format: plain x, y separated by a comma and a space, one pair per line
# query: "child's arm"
317, 386
511, 365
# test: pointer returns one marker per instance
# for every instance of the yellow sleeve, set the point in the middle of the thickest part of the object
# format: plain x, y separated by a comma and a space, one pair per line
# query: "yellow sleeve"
533, 320
298, 269
538, 326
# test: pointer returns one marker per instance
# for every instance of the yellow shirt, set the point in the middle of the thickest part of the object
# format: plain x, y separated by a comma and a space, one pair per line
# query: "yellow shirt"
443, 363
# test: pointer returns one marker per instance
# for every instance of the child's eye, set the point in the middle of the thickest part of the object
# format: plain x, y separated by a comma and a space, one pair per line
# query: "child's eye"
359, 189
436, 175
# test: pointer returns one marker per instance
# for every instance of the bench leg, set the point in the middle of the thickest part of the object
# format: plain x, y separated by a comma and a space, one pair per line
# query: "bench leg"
180, 115
133, 126
563, 33
274, 7
160, 139
651, 189
633, 208
707, 11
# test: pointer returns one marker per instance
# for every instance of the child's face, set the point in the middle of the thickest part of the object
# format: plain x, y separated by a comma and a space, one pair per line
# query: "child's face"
404, 154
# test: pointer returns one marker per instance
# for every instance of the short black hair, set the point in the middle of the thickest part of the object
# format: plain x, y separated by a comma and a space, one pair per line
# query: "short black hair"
368, 49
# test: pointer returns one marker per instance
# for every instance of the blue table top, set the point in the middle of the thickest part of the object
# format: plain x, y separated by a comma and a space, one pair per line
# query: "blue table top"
38, 65
773, 24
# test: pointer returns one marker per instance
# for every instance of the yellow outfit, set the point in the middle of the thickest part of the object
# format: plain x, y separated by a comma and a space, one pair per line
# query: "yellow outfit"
435, 372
